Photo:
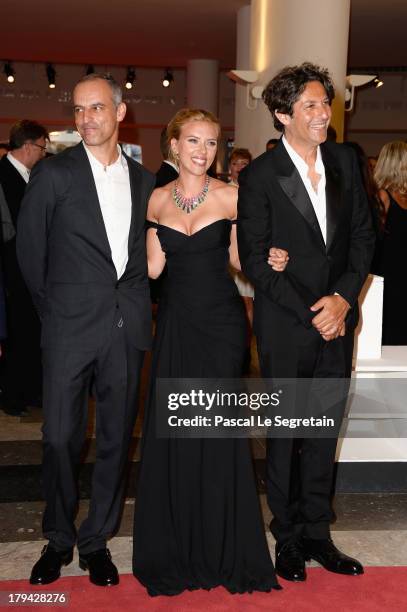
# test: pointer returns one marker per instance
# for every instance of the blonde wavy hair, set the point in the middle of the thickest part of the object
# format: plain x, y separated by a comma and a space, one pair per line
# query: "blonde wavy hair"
183, 116
391, 168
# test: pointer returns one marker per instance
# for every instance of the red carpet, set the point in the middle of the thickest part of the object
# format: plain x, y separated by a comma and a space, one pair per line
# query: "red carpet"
381, 589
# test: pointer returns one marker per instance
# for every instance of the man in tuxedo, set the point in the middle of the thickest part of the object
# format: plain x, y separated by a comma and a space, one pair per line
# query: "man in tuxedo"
22, 357
167, 172
81, 247
305, 196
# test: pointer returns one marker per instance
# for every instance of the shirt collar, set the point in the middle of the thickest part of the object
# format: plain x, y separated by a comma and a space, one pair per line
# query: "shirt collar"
19, 166
97, 165
299, 162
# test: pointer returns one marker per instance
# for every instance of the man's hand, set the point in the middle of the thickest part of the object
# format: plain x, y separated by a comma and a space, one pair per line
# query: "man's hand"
341, 332
330, 322
278, 259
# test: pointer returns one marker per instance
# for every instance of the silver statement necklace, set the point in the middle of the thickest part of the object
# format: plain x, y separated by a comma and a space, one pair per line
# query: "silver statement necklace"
189, 204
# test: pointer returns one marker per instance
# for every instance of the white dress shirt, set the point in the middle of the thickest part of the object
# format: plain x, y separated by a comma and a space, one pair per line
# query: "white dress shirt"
21, 169
113, 189
318, 198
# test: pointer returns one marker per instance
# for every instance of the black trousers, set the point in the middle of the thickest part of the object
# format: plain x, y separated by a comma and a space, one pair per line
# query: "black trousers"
300, 470
67, 375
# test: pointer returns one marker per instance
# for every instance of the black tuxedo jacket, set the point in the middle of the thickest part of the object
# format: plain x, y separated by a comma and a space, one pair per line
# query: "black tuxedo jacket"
274, 209
165, 174
66, 260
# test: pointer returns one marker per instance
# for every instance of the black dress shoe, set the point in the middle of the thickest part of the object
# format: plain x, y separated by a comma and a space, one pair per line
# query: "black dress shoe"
290, 563
332, 559
102, 570
48, 567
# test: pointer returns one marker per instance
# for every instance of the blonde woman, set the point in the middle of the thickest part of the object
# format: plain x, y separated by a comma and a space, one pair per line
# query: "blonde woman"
391, 178
197, 520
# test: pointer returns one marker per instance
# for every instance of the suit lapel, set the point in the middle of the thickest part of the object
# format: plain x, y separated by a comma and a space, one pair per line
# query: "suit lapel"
333, 194
137, 212
85, 183
292, 185
87, 188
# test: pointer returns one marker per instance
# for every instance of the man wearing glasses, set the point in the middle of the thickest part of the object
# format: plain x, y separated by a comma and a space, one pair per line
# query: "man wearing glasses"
21, 384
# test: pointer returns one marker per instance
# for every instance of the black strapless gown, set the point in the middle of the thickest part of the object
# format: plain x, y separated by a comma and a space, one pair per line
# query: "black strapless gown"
198, 522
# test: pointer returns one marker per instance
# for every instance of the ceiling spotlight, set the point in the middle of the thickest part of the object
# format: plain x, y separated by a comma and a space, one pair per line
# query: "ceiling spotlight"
130, 77
51, 74
168, 77
9, 72
378, 82
90, 69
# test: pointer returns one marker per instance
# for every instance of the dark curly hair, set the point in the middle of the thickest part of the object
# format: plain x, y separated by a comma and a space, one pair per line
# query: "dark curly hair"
283, 91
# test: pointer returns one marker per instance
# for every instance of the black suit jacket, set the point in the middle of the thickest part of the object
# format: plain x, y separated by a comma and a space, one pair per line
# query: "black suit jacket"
274, 209
165, 174
13, 186
66, 260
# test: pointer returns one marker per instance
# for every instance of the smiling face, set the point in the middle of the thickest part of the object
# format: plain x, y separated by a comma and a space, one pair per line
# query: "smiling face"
307, 128
196, 147
97, 117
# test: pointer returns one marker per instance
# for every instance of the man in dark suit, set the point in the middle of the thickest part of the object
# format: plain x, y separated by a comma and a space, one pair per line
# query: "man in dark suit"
81, 246
304, 196
22, 358
167, 172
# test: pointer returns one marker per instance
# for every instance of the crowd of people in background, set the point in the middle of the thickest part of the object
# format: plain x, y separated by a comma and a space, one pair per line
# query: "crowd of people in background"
385, 181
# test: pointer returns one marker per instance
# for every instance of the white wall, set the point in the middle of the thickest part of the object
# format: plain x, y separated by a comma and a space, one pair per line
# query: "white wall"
380, 113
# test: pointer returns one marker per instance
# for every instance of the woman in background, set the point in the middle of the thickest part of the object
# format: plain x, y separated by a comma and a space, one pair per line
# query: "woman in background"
391, 179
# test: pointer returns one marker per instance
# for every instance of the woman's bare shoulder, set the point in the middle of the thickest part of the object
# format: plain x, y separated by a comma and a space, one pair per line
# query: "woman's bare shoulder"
226, 197
384, 197
158, 199
223, 189
162, 192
